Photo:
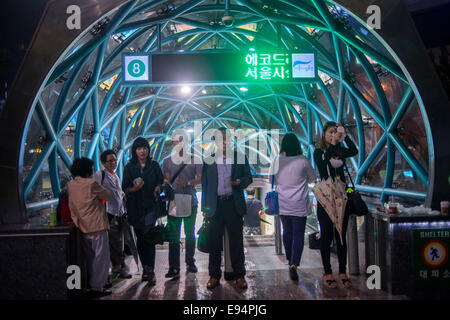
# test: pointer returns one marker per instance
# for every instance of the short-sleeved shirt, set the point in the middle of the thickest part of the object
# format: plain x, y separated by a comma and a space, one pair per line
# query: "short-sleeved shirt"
189, 172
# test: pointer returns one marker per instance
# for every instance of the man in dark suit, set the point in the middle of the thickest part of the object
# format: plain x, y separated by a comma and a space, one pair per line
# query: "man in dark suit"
224, 204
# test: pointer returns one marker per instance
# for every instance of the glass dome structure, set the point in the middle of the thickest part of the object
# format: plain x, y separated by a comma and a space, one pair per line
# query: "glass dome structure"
83, 107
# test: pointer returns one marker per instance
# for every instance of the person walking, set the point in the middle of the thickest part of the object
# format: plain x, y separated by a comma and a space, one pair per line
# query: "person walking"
254, 211
89, 215
115, 210
292, 173
223, 183
330, 157
187, 176
142, 179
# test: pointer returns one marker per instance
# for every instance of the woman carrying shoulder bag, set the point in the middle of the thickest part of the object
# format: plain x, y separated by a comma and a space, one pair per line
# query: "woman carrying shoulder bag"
292, 173
142, 179
330, 157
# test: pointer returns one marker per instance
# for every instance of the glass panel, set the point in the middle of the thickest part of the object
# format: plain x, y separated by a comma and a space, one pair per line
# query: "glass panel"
411, 131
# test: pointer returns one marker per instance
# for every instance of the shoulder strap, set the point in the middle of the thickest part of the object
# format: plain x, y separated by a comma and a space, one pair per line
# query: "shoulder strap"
348, 173
177, 173
103, 176
326, 165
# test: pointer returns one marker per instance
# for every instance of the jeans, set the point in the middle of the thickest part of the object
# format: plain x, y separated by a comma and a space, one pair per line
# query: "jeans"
293, 237
173, 233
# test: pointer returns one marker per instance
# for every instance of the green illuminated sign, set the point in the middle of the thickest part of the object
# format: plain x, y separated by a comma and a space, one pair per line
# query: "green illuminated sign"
267, 66
222, 67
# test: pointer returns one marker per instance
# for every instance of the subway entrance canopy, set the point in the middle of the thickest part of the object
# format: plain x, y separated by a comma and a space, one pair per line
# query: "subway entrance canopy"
71, 97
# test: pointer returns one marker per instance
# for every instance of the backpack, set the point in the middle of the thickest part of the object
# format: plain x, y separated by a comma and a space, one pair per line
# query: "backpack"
63, 210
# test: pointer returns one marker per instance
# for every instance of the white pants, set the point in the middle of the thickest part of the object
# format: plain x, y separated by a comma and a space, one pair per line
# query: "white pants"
96, 251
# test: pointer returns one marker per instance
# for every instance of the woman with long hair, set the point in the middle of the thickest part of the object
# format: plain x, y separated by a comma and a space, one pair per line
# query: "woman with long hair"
292, 173
142, 179
330, 157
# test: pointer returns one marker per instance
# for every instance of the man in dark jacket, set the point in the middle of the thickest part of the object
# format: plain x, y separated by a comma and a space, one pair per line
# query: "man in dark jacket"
224, 204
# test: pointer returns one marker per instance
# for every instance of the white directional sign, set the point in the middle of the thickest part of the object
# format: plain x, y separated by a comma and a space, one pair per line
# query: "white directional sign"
135, 68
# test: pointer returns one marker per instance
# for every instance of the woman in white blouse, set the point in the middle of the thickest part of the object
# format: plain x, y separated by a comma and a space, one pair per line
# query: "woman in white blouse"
292, 173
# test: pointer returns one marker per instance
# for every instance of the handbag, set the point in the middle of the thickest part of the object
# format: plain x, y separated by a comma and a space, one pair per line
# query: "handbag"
271, 201
157, 234
314, 240
203, 240
356, 204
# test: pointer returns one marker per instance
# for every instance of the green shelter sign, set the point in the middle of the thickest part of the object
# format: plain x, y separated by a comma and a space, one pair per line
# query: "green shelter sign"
431, 264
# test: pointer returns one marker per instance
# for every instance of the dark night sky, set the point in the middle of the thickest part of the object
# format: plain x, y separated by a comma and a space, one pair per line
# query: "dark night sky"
19, 19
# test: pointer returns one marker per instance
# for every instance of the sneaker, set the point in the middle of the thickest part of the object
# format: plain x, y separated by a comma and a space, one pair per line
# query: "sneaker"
173, 273
192, 268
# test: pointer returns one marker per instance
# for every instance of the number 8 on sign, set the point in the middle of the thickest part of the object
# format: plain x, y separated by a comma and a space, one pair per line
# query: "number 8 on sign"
136, 68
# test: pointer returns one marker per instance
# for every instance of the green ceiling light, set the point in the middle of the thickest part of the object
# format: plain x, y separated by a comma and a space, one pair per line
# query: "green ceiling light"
243, 89
252, 49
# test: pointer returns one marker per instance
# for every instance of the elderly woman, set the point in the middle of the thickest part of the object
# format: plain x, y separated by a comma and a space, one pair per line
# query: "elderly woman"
142, 179
89, 215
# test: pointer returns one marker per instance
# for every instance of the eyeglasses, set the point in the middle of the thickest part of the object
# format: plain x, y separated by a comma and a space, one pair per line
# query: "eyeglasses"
111, 161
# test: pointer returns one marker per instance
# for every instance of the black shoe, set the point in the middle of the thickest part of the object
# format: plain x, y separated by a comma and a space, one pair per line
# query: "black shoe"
146, 273
192, 268
99, 294
108, 285
293, 273
151, 278
125, 275
173, 273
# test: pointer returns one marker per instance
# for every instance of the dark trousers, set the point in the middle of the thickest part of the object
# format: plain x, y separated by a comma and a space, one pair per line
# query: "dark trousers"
174, 230
226, 217
327, 230
293, 237
145, 247
116, 243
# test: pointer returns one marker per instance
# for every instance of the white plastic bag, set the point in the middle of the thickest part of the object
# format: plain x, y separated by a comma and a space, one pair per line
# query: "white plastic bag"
181, 206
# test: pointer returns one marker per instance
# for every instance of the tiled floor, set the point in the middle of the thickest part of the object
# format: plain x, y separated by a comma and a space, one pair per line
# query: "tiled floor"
267, 279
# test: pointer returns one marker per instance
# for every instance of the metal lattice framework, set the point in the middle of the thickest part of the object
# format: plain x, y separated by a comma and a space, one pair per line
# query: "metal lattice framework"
107, 115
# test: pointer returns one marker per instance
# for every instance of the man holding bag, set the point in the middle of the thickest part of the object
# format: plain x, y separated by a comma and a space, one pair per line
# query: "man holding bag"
183, 177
